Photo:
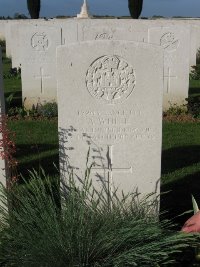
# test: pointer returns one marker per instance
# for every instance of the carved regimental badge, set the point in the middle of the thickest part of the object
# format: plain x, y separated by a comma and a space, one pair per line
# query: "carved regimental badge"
110, 79
40, 42
169, 42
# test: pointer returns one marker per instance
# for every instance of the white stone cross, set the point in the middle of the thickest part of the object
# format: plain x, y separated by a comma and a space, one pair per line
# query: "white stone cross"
169, 76
42, 77
84, 11
110, 170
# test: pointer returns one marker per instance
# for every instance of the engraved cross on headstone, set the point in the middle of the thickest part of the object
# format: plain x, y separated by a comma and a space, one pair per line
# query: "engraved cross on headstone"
109, 170
42, 77
169, 76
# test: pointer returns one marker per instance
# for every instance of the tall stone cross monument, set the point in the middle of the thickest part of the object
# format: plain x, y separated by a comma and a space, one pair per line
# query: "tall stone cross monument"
84, 11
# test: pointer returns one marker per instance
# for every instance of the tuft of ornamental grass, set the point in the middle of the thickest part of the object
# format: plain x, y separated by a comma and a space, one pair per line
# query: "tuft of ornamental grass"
83, 228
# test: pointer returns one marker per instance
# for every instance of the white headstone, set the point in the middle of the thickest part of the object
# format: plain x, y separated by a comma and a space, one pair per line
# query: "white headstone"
176, 44
8, 35
110, 99
2, 29
38, 45
177, 83
112, 29
196, 31
2, 112
193, 32
13, 38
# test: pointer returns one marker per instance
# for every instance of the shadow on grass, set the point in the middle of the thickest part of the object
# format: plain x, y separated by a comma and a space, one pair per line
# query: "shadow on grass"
37, 159
179, 157
178, 199
16, 101
194, 91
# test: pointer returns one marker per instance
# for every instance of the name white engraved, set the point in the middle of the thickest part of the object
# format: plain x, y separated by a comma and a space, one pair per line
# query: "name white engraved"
112, 126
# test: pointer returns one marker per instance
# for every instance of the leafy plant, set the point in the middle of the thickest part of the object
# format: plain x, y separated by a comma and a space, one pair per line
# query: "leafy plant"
198, 56
2, 43
8, 101
82, 228
49, 109
176, 110
194, 106
17, 111
13, 73
195, 72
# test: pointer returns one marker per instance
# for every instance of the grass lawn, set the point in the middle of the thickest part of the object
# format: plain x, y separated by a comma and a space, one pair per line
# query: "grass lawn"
194, 88
12, 85
37, 145
180, 167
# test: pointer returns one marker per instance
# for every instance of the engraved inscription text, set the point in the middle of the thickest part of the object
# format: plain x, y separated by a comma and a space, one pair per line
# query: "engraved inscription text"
169, 42
40, 42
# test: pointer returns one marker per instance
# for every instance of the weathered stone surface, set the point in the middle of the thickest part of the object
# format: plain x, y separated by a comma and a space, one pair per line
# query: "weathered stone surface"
75, 30
192, 28
38, 45
112, 29
176, 44
15, 44
2, 29
110, 100
148, 31
8, 35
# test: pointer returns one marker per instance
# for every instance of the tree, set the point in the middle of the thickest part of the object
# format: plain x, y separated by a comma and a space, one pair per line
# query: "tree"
135, 8
20, 16
34, 8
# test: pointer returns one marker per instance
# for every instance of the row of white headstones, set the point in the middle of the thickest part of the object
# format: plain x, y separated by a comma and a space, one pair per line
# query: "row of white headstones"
32, 46
111, 79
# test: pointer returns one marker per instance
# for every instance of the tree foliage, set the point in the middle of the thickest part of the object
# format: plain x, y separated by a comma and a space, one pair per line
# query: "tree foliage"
34, 8
135, 8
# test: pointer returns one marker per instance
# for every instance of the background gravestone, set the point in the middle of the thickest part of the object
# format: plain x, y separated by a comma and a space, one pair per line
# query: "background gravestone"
2, 111
38, 44
177, 67
110, 99
176, 44
196, 24
2, 29
15, 46
193, 32
8, 35
112, 29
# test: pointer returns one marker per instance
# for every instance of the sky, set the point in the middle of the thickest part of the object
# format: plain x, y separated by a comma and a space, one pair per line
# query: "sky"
52, 8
